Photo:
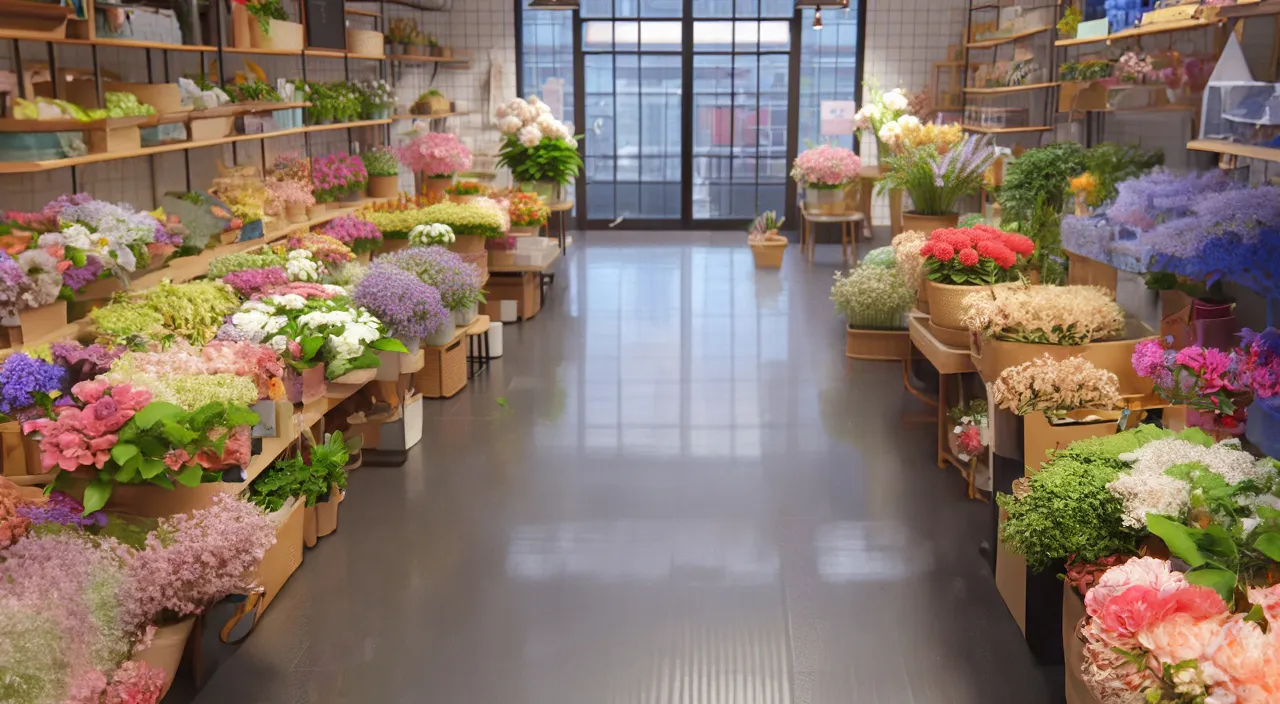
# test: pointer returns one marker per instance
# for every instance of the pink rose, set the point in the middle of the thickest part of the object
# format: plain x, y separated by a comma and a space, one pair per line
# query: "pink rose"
106, 442
1181, 637
1242, 662
176, 459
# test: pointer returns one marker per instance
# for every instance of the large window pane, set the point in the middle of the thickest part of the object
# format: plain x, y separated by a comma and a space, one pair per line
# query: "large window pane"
548, 56
828, 71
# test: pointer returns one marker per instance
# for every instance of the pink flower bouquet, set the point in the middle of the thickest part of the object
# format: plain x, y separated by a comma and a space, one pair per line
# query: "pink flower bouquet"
1202, 378
1151, 632
334, 176
295, 193
435, 154
358, 234
826, 166
323, 247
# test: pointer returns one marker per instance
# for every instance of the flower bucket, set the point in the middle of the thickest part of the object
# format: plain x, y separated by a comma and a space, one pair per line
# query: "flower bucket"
350, 382
882, 345
327, 512
383, 186
241, 38
440, 337
460, 200
548, 191
992, 356
768, 255
396, 363
282, 35
19, 454
392, 244
465, 316
316, 211
1214, 325
309, 526
467, 244
928, 223
1175, 317
35, 324
435, 185
295, 213
165, 651
352, 197
825, 201
305, 386
1073, 614
946, 303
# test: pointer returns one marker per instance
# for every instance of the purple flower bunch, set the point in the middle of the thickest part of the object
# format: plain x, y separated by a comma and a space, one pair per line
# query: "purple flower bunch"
1159, 196
358, 234
334, 175
12, 280
62, 509
408, 306
251, 281
53, 210
457, 281
84, 362
77, 277
27, 383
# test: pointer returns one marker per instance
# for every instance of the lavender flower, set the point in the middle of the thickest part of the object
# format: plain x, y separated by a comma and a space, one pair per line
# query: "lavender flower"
22, 377
409, 307
457, 281
231, 333
12, 282
53, 210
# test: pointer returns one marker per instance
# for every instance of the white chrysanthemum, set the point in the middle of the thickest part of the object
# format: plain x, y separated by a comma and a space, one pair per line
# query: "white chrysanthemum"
251, 320
890, 133
510, 124
530, 136
908, 122
894, 100
291, 301
78, 236
278, 343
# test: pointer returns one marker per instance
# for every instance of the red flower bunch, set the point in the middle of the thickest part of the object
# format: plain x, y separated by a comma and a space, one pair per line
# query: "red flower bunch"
973, 255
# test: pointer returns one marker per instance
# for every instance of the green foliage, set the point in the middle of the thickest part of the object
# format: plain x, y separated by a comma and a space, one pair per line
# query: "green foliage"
265, 11
1112, 163
555, 160
1039, 179
294, 477
253, 92
227, 263
1069, 511
1107, 449
1070, 22
380, 161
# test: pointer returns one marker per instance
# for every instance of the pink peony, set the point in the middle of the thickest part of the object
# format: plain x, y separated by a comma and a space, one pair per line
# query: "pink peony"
1182, 636
1242, 665
90, 391
1146, 571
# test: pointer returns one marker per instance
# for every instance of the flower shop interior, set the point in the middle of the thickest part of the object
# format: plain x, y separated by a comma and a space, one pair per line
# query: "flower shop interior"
699, 351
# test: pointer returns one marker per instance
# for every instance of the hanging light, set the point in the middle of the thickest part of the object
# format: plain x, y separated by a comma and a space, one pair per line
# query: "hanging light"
846, 6
817, 18
553, 5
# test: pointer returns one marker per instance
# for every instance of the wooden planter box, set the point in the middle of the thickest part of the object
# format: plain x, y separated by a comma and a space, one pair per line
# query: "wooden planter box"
992, 356
283, 558
19, 453
1084, 271
883, 345
1039, 436
521, 288
34, 20
444, 370
283, 36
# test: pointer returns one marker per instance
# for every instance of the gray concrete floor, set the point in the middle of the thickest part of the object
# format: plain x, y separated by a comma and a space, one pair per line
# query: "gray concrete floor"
690, 496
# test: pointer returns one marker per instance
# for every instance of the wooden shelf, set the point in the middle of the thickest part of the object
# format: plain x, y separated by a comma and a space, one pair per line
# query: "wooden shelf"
989, 43
117, 43
1123, 111
433, 116
406, 58
1142, 31
1253, 9
1248, 151
337, 54
25, 167
1009, 89
361, 13
261, 52
1005, 130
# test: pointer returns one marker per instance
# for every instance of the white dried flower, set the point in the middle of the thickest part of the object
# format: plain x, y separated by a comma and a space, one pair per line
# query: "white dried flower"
1049, 315
1055, 387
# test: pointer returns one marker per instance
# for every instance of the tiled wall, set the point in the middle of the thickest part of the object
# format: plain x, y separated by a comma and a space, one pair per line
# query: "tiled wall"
904, 39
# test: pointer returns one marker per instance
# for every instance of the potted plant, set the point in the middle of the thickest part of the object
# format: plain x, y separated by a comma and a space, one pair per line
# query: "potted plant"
377, 99
272, 30
1207, 381
417, 43
400, 34
872, 297
338, 176
937, 183
767, 246
383, 168
958, 262
541, 152
433, 46
457, 282
825, 172
528, 213
471, 223
411, 308
464, 192
437, 233
360, 235
435, 157
294, 196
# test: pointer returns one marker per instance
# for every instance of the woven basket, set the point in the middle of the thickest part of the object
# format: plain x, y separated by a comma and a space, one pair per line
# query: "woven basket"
946, 303
480, 260
928, 223
444, 371
364, 41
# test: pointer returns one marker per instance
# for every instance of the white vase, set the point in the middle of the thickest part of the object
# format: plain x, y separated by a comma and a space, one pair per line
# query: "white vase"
463, 317
440, 337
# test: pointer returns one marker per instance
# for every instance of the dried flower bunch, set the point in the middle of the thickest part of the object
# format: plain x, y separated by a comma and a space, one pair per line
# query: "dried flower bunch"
872, 298
327, 249
1055, 387
971, 256
909, 256
295, 193
1047, 315
826, 166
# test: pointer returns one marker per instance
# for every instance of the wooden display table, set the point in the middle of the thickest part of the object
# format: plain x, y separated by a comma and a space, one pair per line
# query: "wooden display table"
951, 363
560, 212
849, 223
527, 285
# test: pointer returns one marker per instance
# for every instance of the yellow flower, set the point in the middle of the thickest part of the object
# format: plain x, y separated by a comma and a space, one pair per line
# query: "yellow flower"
1084, 183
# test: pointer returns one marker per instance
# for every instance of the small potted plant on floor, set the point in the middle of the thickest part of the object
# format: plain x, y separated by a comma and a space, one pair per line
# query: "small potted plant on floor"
938, 183
824, 173
767, 246
541, 151
874, 300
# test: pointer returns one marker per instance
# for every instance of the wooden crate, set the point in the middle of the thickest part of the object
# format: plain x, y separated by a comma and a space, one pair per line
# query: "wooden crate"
444, 370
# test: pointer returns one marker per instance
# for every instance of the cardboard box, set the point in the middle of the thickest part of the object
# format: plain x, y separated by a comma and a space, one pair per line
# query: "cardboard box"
521, 288
1011, 579
1040, 436
19, 453
1073, 649
444, 372
404, 433
115, 140
283, 558
208, 128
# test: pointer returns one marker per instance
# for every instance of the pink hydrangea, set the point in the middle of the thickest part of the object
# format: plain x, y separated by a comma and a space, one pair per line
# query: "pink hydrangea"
83, 437
435, 154
135, 683
826, 165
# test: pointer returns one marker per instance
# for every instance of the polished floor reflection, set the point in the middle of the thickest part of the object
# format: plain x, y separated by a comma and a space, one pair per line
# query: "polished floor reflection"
688, 496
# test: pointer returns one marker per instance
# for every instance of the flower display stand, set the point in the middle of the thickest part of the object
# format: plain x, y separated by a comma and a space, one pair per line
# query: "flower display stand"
281, 36
350, 382
305, 386
884, 345
283, 558
467, 244
35, 324
165, 651
395, 364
